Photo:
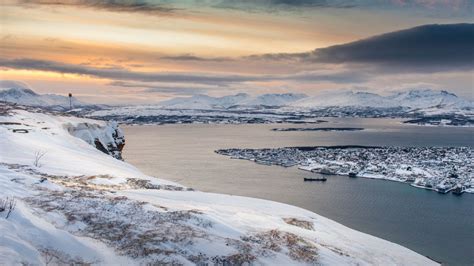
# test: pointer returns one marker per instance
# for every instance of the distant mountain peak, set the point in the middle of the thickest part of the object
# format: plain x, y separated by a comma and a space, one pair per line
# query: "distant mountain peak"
17, 92
15, 88
20, 93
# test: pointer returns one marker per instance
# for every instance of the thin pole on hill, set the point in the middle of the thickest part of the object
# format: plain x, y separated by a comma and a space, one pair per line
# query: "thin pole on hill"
70, 101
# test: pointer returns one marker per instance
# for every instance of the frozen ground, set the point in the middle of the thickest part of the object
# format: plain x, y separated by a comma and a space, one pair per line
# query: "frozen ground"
77, 205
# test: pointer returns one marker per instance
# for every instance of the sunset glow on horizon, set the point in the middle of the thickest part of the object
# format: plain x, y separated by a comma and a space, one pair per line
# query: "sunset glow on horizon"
217, 47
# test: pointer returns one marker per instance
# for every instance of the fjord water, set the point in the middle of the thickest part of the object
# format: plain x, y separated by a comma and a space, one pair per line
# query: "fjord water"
435, 225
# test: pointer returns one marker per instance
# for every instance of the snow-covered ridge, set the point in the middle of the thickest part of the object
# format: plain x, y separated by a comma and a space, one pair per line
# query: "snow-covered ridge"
79, 205
413, 99
20, 93
240, 99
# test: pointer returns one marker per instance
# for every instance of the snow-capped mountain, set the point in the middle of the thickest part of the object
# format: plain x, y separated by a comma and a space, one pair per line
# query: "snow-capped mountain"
342, 98
412, 99
20, 93
201, 101
429, 98
240, 99
273, 99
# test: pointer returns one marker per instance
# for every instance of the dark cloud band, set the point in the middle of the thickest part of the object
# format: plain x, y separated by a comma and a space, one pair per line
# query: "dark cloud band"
424, 48
131, 6
425, 45
171, 77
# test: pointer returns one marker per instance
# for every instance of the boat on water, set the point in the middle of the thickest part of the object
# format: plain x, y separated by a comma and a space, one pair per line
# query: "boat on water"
352, 174
315, 179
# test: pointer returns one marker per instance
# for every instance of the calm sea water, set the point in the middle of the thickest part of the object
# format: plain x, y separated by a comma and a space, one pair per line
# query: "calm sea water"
432, 224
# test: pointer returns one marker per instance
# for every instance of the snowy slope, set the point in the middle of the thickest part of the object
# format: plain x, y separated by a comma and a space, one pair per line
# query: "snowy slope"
203, 101
20, 93
240, 99
420, 100
79, 205
429, 98
273, 99
413, 99
343, 98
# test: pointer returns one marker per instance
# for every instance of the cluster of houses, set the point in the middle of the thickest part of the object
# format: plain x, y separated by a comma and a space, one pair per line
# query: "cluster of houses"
442, 169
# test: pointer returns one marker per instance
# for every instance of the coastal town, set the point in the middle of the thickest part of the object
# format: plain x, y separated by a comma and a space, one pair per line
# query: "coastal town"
442, 169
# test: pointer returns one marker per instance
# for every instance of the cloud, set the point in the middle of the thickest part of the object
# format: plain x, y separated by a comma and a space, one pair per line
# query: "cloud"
336, 76
424, 48
131, 6
283, 4
451, 44
444, 8
191, 57
117, 74
433, 4
159, 88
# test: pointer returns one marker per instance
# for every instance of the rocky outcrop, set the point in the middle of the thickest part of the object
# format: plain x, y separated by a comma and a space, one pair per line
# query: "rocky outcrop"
107, 138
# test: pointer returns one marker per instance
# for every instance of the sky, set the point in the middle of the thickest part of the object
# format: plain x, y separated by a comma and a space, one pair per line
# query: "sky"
130, 52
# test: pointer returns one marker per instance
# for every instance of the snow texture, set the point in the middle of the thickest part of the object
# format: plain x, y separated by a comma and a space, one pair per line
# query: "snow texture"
80, 205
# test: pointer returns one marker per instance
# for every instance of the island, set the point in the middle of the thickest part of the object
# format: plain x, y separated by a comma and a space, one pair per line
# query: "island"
443, 169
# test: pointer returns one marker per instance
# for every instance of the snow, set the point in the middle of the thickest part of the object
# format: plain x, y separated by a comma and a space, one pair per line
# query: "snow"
241, 99
414, 99
21, 93
92, 208
342, 98
423, 106
25, 232
423, 165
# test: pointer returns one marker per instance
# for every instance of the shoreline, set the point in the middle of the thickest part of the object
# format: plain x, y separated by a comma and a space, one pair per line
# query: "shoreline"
385, 179
104, 204
416, 166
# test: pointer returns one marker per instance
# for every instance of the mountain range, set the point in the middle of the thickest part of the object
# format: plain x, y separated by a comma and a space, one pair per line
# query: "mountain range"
436, 101
241, 99
412, 99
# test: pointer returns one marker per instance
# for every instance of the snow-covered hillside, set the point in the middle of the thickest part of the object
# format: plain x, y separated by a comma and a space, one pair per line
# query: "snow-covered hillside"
20, 93
240, 99
413, 99
77, 205
345, 98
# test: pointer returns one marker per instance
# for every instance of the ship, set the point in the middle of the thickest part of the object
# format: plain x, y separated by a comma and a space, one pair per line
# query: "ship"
315, 179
